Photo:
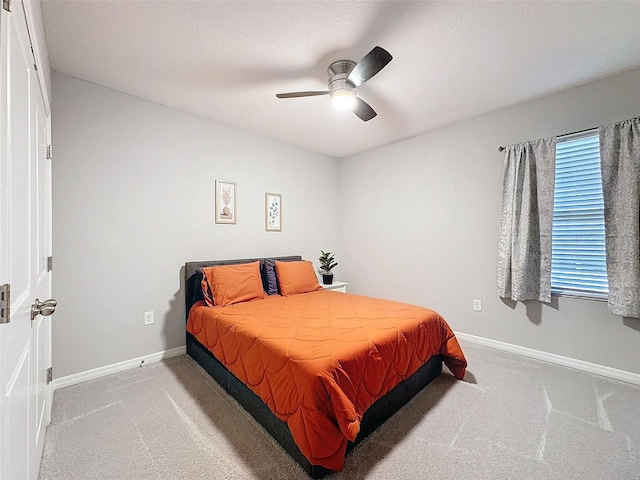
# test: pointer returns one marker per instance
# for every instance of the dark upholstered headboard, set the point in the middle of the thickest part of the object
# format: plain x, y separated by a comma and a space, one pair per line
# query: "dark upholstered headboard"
193, 275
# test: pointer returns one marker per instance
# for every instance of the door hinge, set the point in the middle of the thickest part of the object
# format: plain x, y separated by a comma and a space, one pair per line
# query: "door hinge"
49, 375
49, 152
6, 4
49, 264
5, 303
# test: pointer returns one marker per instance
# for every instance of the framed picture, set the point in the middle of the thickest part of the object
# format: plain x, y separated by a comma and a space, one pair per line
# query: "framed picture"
226, 205
273, 212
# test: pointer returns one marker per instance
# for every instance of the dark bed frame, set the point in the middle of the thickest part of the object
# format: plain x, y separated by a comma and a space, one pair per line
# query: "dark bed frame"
375, 416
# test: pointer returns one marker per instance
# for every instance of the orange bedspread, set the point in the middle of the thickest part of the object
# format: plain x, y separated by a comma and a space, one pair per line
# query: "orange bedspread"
320, 359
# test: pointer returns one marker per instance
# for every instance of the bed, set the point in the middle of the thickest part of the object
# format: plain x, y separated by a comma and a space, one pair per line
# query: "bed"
319, 370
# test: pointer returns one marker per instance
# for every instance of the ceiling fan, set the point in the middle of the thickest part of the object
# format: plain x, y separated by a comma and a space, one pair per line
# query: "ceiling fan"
345, 77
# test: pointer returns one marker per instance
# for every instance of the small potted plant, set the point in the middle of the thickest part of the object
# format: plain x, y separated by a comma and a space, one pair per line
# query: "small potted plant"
327, 263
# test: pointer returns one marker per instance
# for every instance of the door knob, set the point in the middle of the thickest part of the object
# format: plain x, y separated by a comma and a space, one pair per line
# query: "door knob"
44, 308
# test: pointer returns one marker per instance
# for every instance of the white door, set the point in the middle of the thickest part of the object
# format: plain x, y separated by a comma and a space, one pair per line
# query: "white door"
25, 244
41, 394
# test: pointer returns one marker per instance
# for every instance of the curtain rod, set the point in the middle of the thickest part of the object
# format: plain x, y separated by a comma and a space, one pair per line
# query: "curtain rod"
502, 149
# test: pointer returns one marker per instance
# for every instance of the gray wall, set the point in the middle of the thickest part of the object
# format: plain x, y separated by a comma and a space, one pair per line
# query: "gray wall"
420, 218
133, 192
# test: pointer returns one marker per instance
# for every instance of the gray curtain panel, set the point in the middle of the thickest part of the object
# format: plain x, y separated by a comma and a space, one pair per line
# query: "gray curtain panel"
524, 250
620, 157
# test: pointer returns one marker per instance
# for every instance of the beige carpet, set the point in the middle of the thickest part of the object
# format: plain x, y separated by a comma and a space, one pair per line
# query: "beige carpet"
513, 418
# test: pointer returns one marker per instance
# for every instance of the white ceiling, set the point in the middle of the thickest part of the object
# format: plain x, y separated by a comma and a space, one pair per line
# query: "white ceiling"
452, 60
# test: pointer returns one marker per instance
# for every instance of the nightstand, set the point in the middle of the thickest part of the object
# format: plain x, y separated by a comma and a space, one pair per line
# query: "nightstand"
336, 287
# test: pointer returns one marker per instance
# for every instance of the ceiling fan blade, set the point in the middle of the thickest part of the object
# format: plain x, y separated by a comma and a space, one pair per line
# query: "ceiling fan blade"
363, 110
300, 94
372, 63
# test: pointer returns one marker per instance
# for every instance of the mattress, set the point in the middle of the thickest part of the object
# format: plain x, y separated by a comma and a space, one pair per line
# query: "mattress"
318, 360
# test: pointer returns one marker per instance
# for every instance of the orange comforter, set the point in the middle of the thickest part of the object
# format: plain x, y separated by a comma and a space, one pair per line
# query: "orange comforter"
320, 359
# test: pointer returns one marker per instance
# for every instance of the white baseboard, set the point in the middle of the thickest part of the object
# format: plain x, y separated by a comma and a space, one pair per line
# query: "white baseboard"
116, 367
589, 367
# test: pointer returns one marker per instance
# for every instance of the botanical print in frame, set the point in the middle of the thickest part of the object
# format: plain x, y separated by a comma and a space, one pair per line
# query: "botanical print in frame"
226, 205
273, 212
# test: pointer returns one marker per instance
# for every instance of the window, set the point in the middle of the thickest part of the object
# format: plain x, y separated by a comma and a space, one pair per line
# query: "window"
578, 261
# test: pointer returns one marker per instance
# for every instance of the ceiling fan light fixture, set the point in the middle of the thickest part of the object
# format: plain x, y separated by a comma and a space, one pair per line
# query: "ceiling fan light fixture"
345, 77
343, 99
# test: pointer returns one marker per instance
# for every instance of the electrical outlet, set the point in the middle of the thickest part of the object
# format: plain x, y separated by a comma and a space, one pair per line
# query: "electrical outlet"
148, 318
477, 305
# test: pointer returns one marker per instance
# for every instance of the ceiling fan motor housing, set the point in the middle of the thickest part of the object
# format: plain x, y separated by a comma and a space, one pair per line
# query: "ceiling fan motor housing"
338, 73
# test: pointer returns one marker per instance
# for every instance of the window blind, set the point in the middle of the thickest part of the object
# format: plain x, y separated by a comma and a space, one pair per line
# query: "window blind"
578, 258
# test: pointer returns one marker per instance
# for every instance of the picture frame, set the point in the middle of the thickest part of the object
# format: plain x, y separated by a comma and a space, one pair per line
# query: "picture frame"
226, 202
273, 212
